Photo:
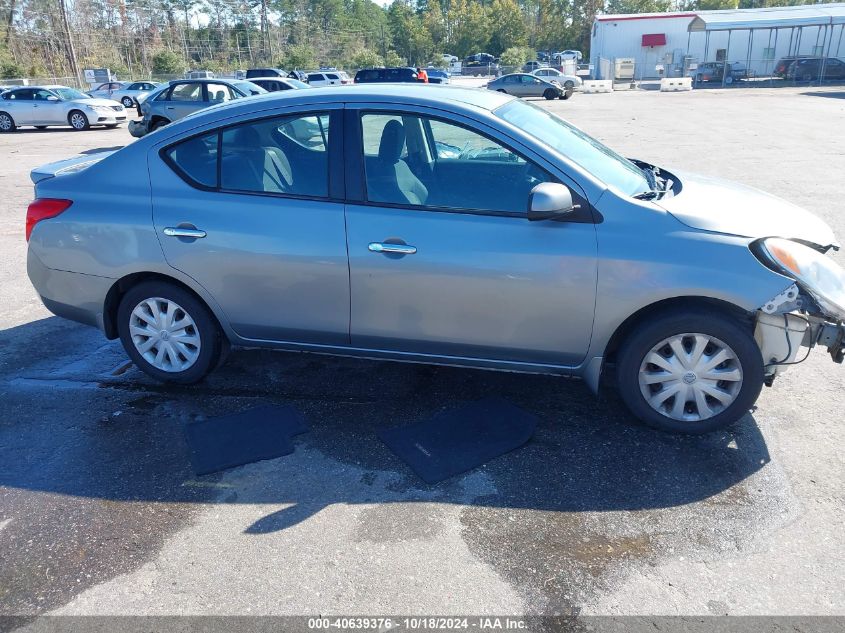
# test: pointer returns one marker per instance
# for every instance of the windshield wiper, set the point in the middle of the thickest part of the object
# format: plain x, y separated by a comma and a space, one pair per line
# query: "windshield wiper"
648, 195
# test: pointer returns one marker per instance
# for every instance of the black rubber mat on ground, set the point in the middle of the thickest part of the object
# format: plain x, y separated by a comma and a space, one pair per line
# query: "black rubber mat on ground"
458, 440
242, 438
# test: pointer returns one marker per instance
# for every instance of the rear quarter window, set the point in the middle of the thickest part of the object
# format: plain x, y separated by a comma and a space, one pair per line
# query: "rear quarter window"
195, 160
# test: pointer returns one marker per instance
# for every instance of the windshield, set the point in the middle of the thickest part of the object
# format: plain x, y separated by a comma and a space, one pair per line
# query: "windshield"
601, 161
69, 94
249, 88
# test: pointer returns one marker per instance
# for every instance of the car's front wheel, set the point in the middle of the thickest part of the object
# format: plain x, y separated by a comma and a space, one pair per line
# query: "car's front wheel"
550, 94
78, 121
127, 102
690, 372
168, 333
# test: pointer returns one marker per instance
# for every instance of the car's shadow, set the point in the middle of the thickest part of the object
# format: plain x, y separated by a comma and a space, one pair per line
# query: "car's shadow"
828, 95
62, 435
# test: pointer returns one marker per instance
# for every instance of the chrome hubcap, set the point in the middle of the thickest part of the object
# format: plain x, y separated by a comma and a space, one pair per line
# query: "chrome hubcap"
77, 121
164, 334
690, 377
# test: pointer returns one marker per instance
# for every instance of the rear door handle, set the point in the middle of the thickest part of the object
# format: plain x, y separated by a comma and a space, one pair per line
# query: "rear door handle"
383, 247
179, 231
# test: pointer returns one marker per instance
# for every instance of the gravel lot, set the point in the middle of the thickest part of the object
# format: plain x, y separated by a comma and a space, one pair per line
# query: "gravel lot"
100, 512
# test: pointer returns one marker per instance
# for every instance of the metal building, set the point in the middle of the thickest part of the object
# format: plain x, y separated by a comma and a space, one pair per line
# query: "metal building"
650, 45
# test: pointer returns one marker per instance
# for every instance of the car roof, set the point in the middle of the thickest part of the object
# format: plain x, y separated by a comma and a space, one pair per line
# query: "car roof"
432, 95
207, 80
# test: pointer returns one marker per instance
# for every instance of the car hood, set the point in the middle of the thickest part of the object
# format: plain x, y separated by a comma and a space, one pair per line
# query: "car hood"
96, 102
714, 204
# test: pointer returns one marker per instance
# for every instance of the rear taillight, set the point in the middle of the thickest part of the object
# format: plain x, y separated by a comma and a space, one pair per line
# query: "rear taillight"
42, 209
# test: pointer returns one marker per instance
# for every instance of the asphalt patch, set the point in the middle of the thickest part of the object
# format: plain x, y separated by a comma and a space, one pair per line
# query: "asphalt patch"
458, 440
242, 438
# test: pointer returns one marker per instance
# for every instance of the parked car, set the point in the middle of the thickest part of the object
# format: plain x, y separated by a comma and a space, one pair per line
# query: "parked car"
437, 76
479, 69
514, 254
266, 72
127, 92
810, 69
531, 66
527, 85
275, 84
299, 75
713, 72
182, 97
387, 75
783, 64
570, 82
328, 78
43, 106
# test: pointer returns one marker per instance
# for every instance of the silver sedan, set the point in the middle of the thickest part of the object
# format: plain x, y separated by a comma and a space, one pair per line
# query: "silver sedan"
43, 106
126, 92
440, 225
527, 85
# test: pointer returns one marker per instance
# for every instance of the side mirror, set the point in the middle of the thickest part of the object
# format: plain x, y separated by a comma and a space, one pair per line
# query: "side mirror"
550, 201
52, 98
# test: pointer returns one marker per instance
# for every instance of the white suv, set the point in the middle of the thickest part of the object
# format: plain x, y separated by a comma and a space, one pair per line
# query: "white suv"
328, 78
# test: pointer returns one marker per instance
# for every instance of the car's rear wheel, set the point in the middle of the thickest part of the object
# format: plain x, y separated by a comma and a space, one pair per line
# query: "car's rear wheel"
569, 85
127, 102
7, 123
550, 94
690, 372
78, 121
168, 333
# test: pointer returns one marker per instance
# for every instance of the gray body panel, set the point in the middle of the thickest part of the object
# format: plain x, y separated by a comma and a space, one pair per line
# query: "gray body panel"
485, 291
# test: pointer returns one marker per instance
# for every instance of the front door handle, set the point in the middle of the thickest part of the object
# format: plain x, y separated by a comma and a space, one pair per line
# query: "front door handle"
178, 231
384, 247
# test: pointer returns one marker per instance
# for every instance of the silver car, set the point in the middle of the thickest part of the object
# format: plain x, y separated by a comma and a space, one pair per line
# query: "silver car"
441, 225
43, 106
570, 82
126, 92
527, 85
183, 97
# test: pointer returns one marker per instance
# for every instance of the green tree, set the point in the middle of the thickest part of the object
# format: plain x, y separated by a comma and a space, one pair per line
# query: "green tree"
638, 6
507, 26
168, 63
366, 58
392, 58
299, 56
468, 28
517, 56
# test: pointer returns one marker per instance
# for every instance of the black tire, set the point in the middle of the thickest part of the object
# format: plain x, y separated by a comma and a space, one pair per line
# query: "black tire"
158, 125
7, 123
78, 121
550, 94
731, 331
40, 127
205, 326
127, 102
569, 85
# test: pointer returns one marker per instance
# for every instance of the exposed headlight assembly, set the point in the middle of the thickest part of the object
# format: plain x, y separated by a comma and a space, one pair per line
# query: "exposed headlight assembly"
818, 274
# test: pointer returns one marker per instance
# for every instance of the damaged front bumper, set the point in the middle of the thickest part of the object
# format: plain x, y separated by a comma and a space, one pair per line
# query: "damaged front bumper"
790, 321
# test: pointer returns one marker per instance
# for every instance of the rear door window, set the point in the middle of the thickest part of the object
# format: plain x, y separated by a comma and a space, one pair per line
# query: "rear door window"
186, 92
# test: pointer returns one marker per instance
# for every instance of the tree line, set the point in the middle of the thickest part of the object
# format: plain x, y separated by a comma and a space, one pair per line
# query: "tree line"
140, 38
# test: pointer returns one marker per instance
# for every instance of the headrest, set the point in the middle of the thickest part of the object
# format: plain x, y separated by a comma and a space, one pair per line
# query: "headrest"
392, 141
